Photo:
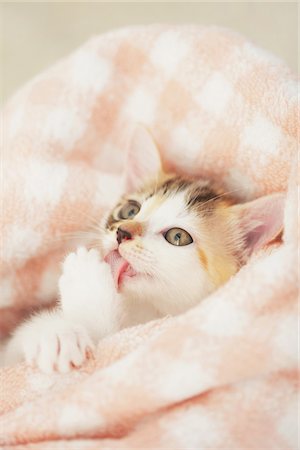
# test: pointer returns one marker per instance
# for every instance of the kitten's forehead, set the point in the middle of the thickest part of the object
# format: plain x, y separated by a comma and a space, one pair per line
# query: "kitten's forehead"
192, 192
161, 211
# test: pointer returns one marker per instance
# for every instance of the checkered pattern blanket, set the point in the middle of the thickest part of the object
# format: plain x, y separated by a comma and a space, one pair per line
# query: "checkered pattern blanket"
221, 375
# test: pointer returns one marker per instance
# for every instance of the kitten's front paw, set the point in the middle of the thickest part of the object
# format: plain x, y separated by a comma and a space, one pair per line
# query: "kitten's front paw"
56, 345
80, 262
84, 276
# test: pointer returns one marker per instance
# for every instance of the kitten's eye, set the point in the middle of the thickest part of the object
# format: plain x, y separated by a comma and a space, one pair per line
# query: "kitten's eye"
129, 210
178, 236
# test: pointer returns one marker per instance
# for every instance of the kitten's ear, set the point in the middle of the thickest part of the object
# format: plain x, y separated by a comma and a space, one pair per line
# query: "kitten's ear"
143, 159
260, 220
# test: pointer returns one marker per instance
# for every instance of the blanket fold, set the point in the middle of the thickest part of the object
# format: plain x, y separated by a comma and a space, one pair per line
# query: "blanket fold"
221, 375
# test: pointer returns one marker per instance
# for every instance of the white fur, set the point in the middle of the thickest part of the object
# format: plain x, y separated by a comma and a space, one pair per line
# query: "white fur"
60, 339
51, 342
87, 293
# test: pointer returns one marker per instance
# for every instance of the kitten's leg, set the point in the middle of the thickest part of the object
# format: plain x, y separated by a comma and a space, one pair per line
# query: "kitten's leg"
49, 341
89, 308
88, 295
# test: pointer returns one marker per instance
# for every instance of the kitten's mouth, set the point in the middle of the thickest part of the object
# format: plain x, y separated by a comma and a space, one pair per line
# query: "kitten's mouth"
120, 268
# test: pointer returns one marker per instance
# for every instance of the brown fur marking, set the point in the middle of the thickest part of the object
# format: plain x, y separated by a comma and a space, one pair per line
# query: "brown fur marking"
202, 257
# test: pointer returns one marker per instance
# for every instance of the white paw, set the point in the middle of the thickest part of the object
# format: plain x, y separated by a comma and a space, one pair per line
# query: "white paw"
84, 275
81, 262
84, 282
53, 344
87, 292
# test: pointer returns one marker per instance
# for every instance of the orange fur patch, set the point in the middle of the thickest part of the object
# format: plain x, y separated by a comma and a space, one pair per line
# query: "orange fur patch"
202, 257
133, 227
221, 269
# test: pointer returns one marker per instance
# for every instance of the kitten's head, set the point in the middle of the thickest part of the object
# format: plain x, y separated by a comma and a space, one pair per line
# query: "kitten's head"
171, 240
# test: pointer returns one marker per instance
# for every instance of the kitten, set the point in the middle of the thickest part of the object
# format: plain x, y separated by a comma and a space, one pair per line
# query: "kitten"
168, 243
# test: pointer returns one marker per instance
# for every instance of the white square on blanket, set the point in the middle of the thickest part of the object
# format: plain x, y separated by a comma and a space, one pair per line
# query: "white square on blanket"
168, 51
215, 94
90, 71
263, 136
21, 242
141, 106
44, 182
185, 145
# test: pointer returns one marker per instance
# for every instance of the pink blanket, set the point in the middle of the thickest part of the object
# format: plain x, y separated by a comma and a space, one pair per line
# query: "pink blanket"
223, 375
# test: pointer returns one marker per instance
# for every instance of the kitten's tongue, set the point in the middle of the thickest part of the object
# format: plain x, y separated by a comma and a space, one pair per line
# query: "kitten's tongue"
119, 267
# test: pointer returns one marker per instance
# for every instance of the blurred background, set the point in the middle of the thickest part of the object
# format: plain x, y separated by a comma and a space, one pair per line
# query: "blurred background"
36, 34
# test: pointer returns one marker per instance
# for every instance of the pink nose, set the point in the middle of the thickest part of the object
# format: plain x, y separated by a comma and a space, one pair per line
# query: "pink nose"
128, 230
123, 235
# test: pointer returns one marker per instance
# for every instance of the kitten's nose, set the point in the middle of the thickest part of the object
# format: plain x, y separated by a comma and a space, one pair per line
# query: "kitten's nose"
129, 230
123, 235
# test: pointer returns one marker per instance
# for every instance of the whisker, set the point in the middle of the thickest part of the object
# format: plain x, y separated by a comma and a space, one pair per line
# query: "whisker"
72, 236
88, 216
92, 220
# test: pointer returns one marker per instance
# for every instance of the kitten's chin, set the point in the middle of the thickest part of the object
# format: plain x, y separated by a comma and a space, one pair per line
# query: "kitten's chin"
135, 285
